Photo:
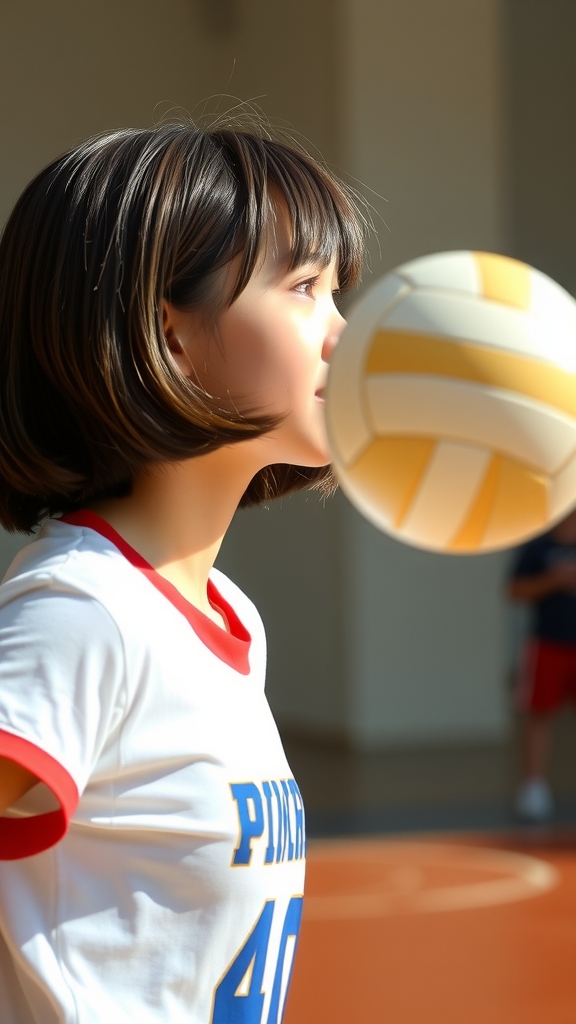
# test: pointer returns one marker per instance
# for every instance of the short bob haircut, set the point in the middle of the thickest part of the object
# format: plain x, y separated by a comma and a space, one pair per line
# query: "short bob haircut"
88, 391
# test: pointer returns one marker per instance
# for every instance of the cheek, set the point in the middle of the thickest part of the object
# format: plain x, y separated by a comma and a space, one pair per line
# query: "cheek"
230, 363
249, 362
263, 362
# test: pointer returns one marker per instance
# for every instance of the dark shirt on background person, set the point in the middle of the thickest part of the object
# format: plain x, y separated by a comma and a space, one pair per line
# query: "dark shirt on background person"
553, 617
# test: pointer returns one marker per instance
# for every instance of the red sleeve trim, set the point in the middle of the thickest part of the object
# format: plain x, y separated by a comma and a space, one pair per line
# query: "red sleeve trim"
23, 837
232, 648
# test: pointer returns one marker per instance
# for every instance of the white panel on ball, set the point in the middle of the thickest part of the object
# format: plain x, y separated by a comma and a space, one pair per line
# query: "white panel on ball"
551, 302
448, 488
530, 431
456, 271
480, 321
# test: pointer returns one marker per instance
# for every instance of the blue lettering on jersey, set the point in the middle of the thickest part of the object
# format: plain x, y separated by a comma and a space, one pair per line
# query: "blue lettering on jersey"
239, 998
290, 930
299, 835
250, 816
276, 812
270, 849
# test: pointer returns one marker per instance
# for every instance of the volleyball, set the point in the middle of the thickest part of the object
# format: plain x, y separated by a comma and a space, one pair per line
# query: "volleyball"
451, 403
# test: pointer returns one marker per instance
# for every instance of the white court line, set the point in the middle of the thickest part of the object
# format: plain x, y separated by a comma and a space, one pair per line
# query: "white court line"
524, 878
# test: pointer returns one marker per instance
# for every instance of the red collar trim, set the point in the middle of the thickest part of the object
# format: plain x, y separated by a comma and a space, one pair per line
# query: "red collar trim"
232, 648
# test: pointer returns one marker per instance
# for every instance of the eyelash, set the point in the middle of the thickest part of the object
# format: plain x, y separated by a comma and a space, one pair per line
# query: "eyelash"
306, 287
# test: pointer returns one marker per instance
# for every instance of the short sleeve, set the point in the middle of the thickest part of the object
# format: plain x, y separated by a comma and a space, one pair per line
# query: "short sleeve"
61, 693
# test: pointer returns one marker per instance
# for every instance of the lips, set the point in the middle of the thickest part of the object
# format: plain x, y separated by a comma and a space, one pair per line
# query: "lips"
319, 394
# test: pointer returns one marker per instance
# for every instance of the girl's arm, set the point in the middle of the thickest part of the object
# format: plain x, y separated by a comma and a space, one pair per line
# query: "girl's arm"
15, 781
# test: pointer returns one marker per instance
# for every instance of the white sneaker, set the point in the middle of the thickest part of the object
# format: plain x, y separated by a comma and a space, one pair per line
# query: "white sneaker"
534, 801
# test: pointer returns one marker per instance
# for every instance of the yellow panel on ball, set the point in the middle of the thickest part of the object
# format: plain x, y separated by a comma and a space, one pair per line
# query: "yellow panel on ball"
504, 280
520, 505
471, 533
389, 471
511, 497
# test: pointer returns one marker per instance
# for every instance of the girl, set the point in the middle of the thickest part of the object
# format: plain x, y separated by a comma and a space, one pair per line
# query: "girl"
166, 318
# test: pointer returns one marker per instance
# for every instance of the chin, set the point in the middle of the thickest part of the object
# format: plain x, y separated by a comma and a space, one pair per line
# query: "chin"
313, 461
301, 448
323, 455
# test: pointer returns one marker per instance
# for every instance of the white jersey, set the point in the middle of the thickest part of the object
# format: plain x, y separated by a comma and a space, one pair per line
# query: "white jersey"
155, 875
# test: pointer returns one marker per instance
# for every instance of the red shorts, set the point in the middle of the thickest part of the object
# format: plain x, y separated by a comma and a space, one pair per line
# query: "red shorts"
547, 677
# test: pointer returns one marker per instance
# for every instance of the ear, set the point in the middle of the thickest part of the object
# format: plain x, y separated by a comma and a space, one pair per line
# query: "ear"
171, 326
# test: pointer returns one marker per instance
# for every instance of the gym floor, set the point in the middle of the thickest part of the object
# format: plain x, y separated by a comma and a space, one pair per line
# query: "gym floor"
426, 903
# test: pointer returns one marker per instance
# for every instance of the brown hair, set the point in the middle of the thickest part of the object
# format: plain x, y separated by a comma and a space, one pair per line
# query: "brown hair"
88, 392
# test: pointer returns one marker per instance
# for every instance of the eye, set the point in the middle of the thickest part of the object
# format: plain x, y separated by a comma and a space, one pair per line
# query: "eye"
306, 287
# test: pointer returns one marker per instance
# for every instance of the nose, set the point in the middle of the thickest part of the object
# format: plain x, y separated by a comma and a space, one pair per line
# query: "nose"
337, 325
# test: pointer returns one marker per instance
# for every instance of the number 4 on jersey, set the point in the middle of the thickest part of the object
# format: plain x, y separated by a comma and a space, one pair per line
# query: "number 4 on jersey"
239, 998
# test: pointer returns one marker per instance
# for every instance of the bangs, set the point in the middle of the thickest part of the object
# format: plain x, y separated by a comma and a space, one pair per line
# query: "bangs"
325, 224
326, 221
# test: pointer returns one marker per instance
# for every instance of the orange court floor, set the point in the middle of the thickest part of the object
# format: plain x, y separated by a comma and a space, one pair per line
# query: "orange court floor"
438, 929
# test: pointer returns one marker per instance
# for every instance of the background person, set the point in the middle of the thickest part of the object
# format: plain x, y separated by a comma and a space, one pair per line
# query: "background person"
545, 576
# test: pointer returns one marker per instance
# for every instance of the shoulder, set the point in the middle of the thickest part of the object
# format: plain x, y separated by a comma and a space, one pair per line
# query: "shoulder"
68, 582
50, 604
68, 559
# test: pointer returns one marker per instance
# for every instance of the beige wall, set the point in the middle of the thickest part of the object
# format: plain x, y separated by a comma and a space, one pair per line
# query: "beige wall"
70, 68
420, 92
539, 37
421, 95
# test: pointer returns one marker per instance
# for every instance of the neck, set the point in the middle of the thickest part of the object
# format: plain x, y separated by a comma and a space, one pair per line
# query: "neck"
178, 513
